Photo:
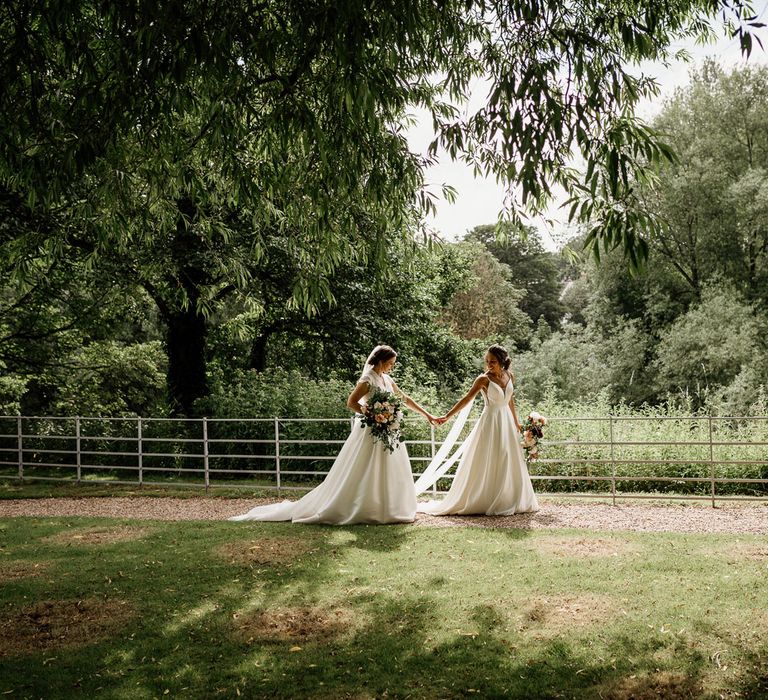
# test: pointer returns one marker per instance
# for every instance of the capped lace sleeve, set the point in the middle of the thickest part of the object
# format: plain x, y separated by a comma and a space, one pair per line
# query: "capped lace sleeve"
368, 378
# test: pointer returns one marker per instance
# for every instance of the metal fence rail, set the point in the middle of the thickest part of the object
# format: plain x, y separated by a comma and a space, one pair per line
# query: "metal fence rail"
609, 455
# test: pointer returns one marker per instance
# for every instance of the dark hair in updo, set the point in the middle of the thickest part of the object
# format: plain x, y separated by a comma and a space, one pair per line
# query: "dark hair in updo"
381, 354
501, 354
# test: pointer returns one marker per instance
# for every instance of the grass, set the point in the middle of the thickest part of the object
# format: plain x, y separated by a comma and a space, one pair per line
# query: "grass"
121, 609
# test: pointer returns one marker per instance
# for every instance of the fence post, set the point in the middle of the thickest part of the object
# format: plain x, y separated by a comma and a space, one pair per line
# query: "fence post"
205, 454
77, 448
277, 453
20, 448
711, 462
613, 460
140, 450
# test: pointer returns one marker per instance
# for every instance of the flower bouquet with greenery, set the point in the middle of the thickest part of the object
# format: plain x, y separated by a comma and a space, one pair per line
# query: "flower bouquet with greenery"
532, 433
383, 414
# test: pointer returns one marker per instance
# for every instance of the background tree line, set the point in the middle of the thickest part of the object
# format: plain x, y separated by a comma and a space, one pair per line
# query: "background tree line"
195, 196
691, 328
688, 330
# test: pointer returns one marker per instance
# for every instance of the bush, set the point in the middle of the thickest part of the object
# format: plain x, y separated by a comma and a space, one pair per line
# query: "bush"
286, 394
656, 429
711, 344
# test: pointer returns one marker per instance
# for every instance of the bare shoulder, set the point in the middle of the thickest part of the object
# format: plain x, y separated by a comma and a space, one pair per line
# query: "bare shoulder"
481, 381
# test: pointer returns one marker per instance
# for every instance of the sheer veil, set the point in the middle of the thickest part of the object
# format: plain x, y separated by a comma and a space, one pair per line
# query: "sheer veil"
368, 366
441, 463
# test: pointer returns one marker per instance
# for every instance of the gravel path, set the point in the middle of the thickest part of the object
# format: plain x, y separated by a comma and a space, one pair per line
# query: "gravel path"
674, 517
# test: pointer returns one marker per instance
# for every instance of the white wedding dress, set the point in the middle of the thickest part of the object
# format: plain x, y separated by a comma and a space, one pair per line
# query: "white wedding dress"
366, 484
491, 478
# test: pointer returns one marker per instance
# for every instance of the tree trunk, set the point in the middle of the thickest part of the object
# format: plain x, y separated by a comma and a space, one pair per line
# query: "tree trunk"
185, 342
258, 358
187, 331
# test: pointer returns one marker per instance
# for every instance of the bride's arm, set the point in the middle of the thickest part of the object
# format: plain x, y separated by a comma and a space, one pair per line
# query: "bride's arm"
353, 402
411, 403
480, 383
514, 413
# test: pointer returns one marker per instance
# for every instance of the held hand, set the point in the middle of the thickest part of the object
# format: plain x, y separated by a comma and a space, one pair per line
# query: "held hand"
441, 420
430, 418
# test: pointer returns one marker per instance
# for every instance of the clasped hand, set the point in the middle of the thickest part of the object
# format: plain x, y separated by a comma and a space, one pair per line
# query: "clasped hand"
435, 420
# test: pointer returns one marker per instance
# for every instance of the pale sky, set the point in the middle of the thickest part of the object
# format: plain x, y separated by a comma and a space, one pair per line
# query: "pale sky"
480, 200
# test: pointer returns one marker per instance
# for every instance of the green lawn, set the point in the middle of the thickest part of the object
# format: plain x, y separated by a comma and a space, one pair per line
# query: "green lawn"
128, 609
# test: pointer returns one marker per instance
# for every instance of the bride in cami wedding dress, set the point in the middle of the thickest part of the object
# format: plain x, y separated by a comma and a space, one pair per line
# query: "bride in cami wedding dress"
367, 483
492, 477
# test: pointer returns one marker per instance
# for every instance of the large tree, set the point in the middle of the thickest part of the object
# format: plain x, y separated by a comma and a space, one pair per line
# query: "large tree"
117, 97
139, 126
532, 269
400, 304
74, 339
714, 200
487, 305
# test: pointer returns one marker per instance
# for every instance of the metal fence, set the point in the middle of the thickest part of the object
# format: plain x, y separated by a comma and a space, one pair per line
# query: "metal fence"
722, 458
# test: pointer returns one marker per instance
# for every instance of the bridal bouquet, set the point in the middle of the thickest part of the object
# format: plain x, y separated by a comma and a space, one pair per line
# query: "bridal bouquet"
383, 414
532, 433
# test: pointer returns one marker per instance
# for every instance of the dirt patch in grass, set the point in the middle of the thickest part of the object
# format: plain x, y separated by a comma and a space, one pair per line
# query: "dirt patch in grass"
53, 624
748, 550
15, 570
545, 614
267, 550
301, 624
583, 547
98, 535
663, 684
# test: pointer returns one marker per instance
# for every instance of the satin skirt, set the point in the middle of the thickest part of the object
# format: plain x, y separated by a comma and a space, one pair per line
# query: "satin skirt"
492, 477
366, 484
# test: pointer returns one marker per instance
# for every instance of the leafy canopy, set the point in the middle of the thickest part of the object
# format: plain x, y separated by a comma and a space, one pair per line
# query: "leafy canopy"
714, 201
295, 112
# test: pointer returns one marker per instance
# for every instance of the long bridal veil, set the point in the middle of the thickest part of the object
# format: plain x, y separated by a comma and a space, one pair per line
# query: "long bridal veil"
441, 463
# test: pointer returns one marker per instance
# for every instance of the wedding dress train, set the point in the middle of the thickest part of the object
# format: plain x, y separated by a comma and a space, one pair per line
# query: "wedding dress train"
366, 484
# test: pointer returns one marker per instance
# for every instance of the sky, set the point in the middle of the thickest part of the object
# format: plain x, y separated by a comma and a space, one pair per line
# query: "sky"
479, 200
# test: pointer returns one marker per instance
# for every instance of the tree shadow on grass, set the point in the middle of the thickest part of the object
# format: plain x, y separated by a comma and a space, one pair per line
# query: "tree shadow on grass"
375, 538
397, 652
756, 688
399, 643
400, 652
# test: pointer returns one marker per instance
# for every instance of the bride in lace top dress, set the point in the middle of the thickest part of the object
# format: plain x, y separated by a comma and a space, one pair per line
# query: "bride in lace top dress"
367, 483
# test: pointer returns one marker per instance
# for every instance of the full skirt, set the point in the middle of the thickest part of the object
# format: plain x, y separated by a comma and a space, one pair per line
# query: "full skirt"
492, 478
366, 484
